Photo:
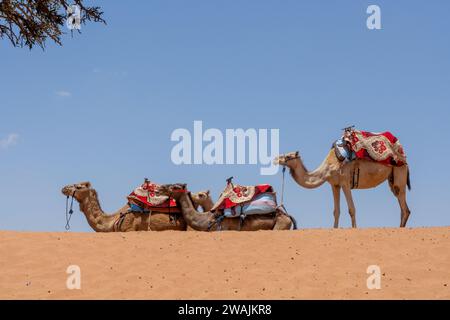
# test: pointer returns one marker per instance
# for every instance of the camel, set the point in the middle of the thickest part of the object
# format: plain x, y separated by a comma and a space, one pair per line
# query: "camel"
208, 221
122, 220
201, 199
341, 175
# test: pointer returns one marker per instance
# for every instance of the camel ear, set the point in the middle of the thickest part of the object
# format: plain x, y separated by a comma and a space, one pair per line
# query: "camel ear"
207, 192
296, 153
88, 185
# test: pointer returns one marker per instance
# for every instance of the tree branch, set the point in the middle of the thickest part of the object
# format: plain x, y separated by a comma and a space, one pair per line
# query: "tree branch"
33, 22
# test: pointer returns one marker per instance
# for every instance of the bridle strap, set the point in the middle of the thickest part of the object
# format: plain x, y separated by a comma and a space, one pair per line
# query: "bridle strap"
293, 158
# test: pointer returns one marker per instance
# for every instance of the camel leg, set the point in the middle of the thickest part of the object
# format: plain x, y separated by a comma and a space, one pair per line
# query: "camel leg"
404, 209
350, 204
398, 187
337, 204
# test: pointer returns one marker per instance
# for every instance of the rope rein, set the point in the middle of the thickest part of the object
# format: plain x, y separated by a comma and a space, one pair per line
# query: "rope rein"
282, 190
282, 186
69, 211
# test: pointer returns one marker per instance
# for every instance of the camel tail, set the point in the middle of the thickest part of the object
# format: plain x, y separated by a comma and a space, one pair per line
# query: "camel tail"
408, 181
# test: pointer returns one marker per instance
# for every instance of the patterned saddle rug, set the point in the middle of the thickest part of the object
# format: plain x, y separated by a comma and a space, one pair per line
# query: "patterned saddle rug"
237, 200
381, 147
146, 198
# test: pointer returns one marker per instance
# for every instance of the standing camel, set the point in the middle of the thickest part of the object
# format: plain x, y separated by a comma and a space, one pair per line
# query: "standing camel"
339, 175
122, 220
208, 221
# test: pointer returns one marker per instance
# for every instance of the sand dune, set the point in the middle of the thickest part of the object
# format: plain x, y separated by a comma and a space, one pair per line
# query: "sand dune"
304, 264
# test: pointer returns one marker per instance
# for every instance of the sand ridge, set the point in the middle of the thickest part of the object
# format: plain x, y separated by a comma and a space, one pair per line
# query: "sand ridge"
303, 264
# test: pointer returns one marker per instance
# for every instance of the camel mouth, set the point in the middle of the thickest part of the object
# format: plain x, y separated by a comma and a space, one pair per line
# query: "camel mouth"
68, 190
278, 160
282, 159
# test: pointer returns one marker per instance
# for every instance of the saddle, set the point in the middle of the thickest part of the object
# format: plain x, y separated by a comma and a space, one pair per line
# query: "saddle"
239, 201
381, 147
147, 198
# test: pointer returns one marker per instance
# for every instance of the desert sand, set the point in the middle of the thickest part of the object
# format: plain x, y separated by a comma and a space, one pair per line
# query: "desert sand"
302, 264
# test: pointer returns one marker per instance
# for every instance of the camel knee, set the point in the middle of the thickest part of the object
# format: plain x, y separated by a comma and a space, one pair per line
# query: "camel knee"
351, 212
282, 222
336, 213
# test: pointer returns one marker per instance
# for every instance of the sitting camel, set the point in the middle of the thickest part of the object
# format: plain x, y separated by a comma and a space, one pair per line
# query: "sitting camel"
122, 220
341, 175
201, 199
208, 221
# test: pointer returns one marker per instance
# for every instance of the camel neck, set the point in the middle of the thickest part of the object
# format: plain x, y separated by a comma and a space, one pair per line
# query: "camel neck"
207, 205
95, 216
196, 220
312, 179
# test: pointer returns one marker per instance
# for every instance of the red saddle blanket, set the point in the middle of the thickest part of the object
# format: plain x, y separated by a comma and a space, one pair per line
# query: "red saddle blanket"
381, 147
234, 195
147, 196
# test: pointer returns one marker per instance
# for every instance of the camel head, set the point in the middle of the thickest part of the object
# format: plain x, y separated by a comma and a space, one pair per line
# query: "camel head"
173, 190
284, 159
77, 190
203, 199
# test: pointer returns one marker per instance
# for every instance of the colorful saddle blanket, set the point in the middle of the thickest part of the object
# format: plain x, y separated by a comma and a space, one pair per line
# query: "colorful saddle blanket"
380, 147
147, 198
264, 203
236, 200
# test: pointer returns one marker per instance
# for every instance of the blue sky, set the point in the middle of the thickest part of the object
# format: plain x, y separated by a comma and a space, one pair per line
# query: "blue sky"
103, 106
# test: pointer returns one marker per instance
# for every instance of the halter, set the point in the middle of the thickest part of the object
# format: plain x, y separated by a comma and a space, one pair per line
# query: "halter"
287, 159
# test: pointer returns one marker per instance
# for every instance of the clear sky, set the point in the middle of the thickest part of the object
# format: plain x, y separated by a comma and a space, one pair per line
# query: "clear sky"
103, 106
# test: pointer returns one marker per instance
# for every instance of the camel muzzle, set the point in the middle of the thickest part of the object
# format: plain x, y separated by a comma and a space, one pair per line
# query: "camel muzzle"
65, 191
